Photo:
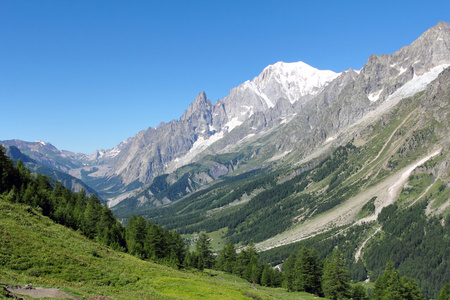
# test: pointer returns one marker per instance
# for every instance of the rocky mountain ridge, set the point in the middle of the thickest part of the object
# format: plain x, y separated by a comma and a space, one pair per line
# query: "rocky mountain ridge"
286, 112
174, 144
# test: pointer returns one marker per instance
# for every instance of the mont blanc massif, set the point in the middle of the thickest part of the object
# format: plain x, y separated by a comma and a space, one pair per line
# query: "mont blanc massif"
296, 157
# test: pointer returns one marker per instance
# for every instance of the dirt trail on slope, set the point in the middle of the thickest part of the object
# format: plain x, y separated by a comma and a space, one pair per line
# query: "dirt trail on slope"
39, 292
358, 253
345, 213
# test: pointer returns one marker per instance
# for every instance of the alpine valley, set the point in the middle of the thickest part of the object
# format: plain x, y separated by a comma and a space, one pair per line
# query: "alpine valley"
296, 157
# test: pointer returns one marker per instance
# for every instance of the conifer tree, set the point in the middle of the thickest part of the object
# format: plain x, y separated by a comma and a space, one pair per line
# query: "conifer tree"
154, 246
289, 272
336, 283
135, 236
359, 292
226, 260
91, 216
391, 286
247, 263
308, 272
204, 252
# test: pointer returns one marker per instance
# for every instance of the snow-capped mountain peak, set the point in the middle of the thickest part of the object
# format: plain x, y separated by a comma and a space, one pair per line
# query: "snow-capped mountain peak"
297, 82
297, 79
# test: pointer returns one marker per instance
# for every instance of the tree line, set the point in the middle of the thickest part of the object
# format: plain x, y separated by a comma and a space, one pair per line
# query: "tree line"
87, 215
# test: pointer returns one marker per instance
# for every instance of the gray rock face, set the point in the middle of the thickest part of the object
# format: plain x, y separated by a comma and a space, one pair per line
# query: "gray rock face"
152, 150
159, 149
345, 100
48, 155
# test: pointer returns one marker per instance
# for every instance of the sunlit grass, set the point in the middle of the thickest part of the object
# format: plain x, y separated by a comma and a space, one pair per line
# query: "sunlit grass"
34, 250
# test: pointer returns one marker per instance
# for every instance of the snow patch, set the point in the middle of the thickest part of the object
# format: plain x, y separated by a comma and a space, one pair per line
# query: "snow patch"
294, 79
41, 142
417, 84
200, 144
374, 96
402, 70
233, 123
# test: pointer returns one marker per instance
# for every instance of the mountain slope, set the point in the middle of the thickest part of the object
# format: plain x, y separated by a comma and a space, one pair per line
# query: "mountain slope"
412, 133
347, 99
288, 132
287, 112
67, 180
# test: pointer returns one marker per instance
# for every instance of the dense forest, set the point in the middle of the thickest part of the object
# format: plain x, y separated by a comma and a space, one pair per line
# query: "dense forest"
273, 202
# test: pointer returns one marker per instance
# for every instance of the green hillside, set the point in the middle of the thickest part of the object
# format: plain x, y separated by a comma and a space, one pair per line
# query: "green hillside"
34, 250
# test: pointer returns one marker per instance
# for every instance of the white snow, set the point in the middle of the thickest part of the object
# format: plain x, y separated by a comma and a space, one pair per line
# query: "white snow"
41, 142
417, 84
374, 96
298, 79
200, 144
233, 123
402, 70
295, 80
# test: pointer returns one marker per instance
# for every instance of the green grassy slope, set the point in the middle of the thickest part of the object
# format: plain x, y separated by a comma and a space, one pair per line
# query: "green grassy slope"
33, 249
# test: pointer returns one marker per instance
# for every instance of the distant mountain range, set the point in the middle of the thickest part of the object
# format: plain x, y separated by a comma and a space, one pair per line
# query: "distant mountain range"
289, 108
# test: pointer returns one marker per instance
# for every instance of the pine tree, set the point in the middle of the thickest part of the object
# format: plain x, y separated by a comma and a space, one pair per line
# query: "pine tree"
359, 292
391, 286
409, 289
105, 227
135, 236
204, 252
336, 283
92, 214
226, 260
9, 176
268, 276
176, 247
308, 272
289, 272
155, 246
247, 263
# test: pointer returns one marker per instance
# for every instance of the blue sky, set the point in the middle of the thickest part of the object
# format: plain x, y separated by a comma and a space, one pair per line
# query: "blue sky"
86, 75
